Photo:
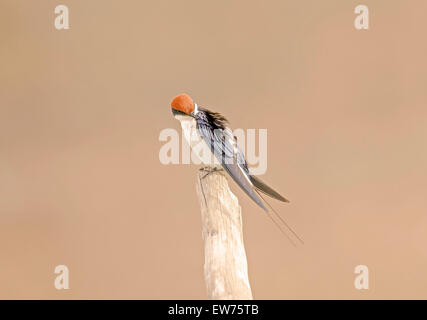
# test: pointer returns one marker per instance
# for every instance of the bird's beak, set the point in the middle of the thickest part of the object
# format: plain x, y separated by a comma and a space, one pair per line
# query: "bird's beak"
180, 113
177, 112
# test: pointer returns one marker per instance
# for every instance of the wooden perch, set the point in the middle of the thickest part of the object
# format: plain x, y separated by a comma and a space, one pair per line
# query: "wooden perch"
226, 269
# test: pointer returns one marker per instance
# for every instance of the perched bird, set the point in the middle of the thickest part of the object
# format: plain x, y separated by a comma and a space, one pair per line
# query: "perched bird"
202, 126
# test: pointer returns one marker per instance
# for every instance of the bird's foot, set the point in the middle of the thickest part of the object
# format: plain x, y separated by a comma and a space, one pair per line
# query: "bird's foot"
210, 170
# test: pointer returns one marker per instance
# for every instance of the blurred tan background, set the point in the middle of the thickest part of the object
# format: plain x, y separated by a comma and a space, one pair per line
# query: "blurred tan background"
81, 110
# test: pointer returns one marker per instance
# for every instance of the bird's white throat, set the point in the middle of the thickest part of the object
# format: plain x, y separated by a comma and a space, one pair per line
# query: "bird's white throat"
201, 153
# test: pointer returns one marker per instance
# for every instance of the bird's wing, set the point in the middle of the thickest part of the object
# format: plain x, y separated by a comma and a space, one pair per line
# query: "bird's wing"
226, 150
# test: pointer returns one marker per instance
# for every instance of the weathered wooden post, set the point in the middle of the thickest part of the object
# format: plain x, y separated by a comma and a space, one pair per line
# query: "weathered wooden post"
226, 268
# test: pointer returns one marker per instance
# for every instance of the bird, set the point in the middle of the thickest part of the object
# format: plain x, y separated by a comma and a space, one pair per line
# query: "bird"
210, 132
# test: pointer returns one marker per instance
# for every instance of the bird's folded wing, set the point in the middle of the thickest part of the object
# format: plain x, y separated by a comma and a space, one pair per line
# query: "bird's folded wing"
225, 149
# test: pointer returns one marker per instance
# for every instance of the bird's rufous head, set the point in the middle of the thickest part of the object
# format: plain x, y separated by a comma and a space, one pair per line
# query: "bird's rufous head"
182, 105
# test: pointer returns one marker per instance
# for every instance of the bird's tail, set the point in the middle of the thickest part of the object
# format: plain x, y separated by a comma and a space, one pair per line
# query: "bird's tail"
261, 186
283, 222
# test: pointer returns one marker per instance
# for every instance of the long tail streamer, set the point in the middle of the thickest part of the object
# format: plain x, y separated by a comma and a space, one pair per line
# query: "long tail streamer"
283, 221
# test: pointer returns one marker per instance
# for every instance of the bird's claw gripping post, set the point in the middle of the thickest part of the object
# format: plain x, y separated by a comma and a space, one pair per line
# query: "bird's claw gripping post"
210, 170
